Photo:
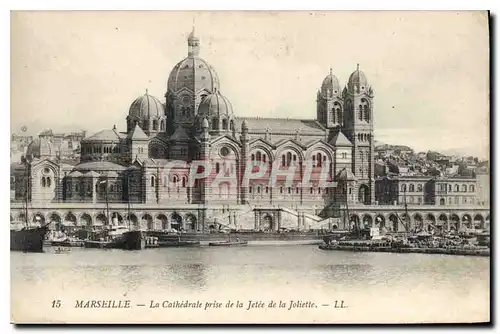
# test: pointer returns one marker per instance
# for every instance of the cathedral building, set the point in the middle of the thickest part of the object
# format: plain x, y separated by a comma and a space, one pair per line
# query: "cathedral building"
150, 165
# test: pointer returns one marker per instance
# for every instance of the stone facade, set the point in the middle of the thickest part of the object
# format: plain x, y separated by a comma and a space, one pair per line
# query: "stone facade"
150, 167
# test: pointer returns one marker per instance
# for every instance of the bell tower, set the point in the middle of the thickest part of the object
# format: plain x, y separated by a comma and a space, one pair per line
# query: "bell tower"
358, 127
329, 103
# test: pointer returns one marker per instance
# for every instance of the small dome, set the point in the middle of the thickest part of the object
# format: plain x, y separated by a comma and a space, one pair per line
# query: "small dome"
194, 74
358, 79
40, 147
330, 86
145, 107
215, 105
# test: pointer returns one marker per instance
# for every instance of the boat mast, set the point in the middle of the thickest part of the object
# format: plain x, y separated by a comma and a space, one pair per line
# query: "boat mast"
128, 201
407, 216
107, 204
26, 192
347, 210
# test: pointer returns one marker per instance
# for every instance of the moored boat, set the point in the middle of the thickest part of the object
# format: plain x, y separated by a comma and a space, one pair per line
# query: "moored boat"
178, 243
28, 238
228, 243
118, 237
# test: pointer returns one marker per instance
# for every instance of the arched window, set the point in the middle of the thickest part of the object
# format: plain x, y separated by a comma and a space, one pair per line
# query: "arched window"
441, 201
215, 123
283, 160
231, 125
314, 161
77, 187
253, 157
471, 188
258, 156
332, 115
289, 190
339, 116
457, 188
360, 112
217, 168
288, 159
419, 187
267, 190
48, 182
183, 182
224, 124
263, 157
311, 190
281, 190
145, 125
464, 188
412, 188
366, 115
403, 187
319, 160
155, 125
162, 125
43, 181
152, 181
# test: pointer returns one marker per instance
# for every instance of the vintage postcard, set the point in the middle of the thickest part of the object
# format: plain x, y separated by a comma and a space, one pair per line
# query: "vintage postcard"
250, 167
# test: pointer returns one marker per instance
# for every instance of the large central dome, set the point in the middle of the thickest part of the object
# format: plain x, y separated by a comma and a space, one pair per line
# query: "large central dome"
193, 73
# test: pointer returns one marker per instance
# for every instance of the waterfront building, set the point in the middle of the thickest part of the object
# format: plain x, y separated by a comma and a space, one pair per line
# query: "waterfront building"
195, 122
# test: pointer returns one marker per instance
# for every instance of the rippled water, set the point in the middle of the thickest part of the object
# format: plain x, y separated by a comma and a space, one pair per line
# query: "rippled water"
376, 287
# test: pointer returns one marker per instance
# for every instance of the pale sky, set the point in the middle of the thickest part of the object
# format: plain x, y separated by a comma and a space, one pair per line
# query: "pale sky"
429, 70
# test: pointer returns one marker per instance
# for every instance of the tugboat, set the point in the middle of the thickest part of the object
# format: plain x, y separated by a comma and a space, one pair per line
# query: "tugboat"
228, 243
117, 236
26, 238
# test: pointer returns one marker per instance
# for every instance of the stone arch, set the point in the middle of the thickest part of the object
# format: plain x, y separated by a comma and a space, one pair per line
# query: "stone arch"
418, 221
147, 222
100, 220
85, 220
132, 218
455, 222
354, 221
267, 150
116, 218
367, 220
267, 223
380, 220
55, 218
21, 216
467, 220
190, 222
70, 217
162, 222
393, 222
231, 146
38, 217
443, 221
364, 194
287, 147
431, 221
479, 221
319, 147
176, 221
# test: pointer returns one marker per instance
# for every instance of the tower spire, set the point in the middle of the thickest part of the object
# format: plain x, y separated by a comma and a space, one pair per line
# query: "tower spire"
193, 44
357, 67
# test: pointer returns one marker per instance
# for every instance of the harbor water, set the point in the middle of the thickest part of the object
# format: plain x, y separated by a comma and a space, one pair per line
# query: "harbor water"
373, 287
